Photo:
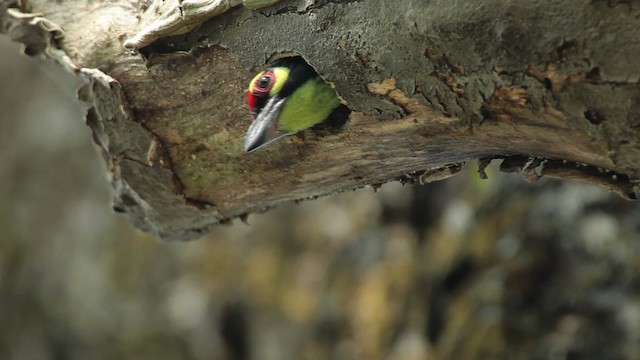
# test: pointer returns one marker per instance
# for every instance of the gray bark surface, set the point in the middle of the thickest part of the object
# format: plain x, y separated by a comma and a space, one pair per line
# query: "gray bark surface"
429, 83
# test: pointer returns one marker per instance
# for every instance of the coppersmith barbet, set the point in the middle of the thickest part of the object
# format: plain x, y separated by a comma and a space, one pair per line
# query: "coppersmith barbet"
288, 97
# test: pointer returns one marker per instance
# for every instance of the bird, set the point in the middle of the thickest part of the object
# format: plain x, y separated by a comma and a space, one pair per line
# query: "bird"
287, 97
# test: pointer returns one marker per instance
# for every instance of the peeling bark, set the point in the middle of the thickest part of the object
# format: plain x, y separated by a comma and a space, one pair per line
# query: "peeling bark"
429, 83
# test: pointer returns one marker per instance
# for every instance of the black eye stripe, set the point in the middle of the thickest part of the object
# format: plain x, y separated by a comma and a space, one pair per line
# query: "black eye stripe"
261, 101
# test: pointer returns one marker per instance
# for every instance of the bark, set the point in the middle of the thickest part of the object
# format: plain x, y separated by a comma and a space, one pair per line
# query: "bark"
430, 84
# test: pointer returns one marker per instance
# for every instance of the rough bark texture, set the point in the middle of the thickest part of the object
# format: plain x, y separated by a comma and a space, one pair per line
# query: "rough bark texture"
462, 269
429, 83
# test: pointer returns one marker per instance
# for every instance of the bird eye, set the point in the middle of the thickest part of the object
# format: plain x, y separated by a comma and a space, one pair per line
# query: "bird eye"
264, 83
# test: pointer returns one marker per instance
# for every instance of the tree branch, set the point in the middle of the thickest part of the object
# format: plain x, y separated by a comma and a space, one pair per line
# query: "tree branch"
429, 85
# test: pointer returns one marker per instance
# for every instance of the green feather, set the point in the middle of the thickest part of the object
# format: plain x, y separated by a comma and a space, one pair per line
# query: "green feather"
309, 105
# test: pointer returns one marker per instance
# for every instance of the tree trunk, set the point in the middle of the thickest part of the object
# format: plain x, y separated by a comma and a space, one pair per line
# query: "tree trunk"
552, 86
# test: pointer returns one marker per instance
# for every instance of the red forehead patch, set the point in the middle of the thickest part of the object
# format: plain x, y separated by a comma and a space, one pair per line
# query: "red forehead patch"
251, 101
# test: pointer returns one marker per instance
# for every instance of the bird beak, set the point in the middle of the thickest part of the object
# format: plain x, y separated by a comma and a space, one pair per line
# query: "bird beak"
264, 128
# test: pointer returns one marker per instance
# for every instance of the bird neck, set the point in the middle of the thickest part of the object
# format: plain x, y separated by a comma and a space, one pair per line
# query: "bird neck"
310, 104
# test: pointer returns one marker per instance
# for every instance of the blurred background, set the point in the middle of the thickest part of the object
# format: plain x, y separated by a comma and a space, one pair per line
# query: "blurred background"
459, 269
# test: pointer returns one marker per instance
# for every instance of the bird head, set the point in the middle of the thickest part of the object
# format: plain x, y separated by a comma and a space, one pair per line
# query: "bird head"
287, 97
